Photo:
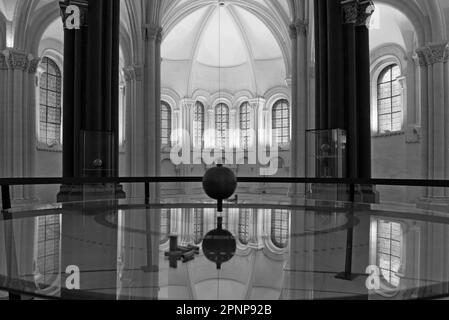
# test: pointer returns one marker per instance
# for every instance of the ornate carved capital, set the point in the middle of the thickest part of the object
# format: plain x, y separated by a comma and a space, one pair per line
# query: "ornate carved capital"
133, 73
298, 28
357, 12
257, 103
17, 60
83, 5
153, 32
188, 104
33, 65
3, 64
433, 53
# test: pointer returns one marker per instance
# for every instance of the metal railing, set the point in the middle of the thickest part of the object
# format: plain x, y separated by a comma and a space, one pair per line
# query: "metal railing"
6, 183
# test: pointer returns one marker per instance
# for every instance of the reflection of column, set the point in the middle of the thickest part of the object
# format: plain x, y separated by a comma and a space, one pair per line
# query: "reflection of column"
434, 68
18, 119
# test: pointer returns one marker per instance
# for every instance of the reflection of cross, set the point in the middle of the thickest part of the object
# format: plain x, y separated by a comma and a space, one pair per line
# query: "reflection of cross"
176, 252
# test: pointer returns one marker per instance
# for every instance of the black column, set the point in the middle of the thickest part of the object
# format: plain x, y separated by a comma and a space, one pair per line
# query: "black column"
343, 82
91, 91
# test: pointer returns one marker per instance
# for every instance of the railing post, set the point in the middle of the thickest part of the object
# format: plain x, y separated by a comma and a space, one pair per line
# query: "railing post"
147, 193
6, 198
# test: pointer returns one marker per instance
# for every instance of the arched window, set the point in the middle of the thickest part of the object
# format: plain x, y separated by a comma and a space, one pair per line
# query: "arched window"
245, 126
281, 122
222, 125
280, 221
389, 251
47, 267
198, 125
165, 124
389, 100
198, 226
50, 103
165, 225
245, 220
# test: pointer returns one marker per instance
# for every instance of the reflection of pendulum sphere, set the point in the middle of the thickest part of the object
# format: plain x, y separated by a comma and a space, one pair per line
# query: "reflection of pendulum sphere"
219, 245
219, 183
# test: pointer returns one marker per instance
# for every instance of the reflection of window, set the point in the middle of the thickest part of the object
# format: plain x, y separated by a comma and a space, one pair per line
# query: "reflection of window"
389, 100
50, 103
244, 225
48, 247
165, 225
198, 226
281, 122
222, 125
166, 124
198, 125
245, 126
280, 220
389, 250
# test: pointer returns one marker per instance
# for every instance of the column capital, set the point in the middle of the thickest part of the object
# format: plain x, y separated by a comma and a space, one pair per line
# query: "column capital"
134, 72
357, 12
257, 103
433, 53
3, 63
33, 65
187, 103
153, 32
18, 60
297, 28
83, 5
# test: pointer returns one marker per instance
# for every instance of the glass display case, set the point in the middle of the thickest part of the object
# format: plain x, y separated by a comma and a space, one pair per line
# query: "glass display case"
326, 158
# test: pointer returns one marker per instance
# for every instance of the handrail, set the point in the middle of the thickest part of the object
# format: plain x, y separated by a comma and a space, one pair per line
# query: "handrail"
274, 180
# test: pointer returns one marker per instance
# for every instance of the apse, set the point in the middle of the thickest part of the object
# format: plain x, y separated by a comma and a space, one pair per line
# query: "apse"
221, 48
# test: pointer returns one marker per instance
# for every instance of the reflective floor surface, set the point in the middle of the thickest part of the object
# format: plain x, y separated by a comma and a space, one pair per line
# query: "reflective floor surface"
306, 250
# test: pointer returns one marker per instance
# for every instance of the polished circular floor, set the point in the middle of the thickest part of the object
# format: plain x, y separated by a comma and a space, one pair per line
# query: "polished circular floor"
302, 250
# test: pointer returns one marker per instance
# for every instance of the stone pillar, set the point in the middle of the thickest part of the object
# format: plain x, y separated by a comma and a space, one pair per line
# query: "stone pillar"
152, 102
18, 151
18, 114
343, 81
433, 60
135, 125
299, 104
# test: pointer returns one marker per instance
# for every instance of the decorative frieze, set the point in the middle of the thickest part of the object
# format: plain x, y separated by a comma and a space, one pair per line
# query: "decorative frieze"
433, 53
357, 12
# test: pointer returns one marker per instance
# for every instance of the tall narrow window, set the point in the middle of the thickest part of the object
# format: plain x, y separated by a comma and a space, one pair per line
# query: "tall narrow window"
245, 126
389, 251
47, 267
280, 221
166, 124
222, 125
50, 103
198, 125
244, 225
198, 225
389, 100
281, 122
